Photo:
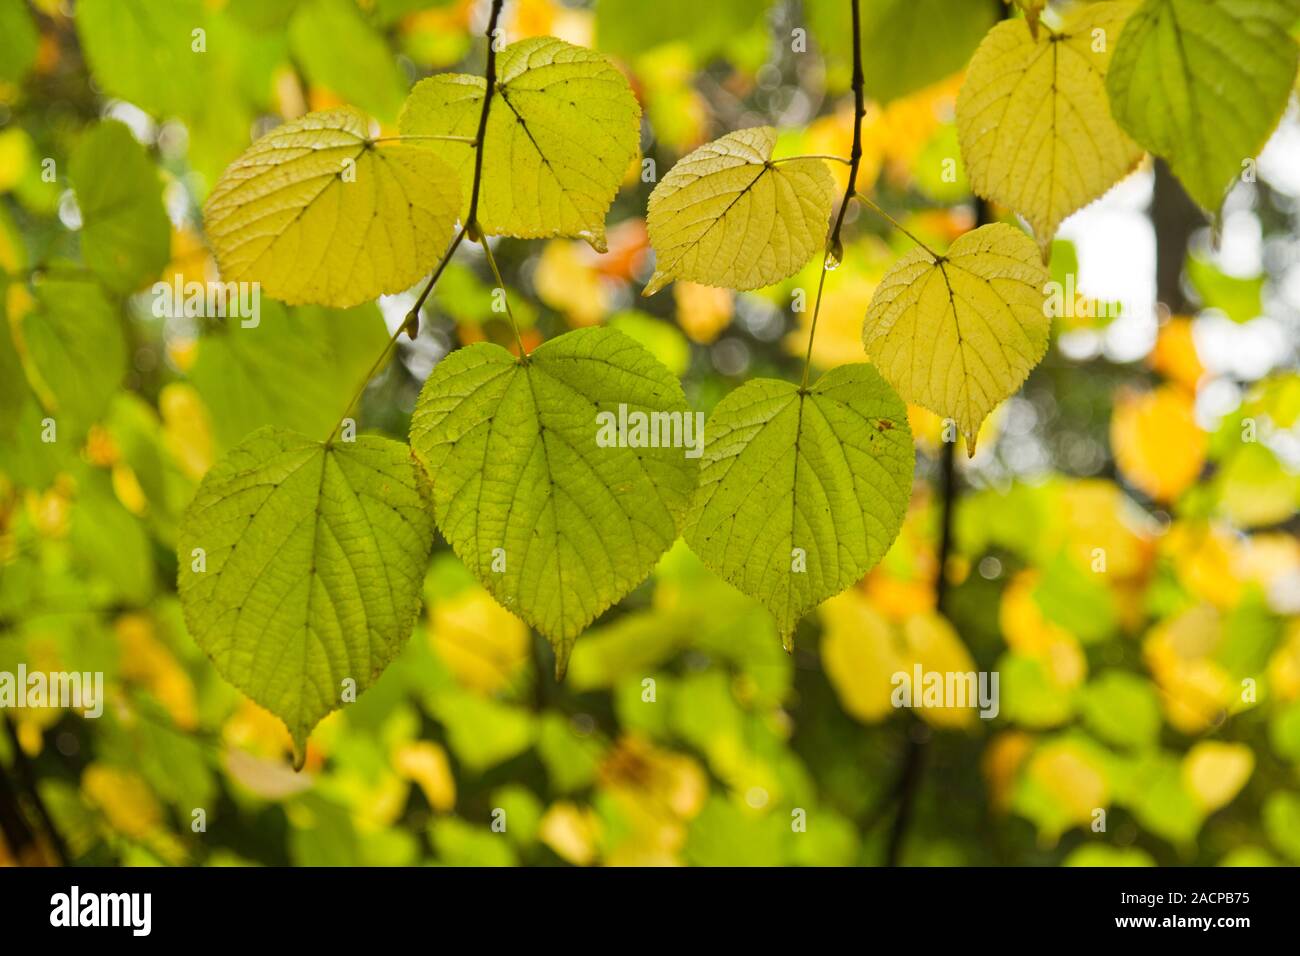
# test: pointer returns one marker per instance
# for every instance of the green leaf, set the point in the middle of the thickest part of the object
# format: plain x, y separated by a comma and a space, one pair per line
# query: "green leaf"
1240, 299
1203, 84
555, 522
18, 40
318, 212
141, 51
906, 44
340, 51
75, 352
295, 368
125, 233
1122, 709
1282, 823
727, 216
314, 557
628, 28
802, 491
961, 332
562, 129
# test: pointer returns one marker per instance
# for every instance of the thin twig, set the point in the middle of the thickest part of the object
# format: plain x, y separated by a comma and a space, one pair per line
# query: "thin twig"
871, 204
834, 248
496, 274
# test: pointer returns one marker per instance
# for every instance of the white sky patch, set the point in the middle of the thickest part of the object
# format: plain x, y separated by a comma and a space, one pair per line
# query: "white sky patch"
1116, 246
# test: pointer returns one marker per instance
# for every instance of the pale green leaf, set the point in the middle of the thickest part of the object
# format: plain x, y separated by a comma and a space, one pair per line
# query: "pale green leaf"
318, 212
906, 44
1033, 118
296, 368
125, 233
1203, 84
562, 130
802, 491
960, 333
18, 40
315, 555
555, 524
727, 216
75, 353
339, 51
142, 51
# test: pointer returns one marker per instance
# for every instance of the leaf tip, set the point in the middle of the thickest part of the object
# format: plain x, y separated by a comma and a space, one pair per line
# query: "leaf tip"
657, 282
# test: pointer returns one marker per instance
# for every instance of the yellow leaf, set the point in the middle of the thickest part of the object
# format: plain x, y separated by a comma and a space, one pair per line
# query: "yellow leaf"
960, 332
566, 279
1067, 773
1034, 120
1027, 631
481, 643
1214, 772
859, 655
571, 831
319, 212
930, 641
1196, 690
1001, 763
727, 216
702, 311
124, 798
1157, 444
426, 763
1175, 356
561, 131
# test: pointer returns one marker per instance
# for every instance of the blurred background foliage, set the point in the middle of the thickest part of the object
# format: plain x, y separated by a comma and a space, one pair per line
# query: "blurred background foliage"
1124, 548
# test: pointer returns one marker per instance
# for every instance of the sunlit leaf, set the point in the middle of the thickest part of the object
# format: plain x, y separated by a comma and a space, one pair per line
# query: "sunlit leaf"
726, 215
301, 566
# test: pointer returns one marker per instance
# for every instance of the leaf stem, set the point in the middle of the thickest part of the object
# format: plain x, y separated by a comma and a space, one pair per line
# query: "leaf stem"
490, 76
496, 274
834, 248
875, 207
412, 324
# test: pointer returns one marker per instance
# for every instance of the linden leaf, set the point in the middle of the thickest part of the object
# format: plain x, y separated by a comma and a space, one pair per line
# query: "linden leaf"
727, 216
802, 491
301, 568
1203, 84
1033, 120
562, 128
125, 235
960, 333
555, 520
318, 212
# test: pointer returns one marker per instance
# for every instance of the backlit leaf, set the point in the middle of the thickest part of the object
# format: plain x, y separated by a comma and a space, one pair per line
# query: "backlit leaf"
802, 491
1033, 119
961, 333
561, 131
125, 235
727, 216
556, 525
313, 559
318, 212
1203, 83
